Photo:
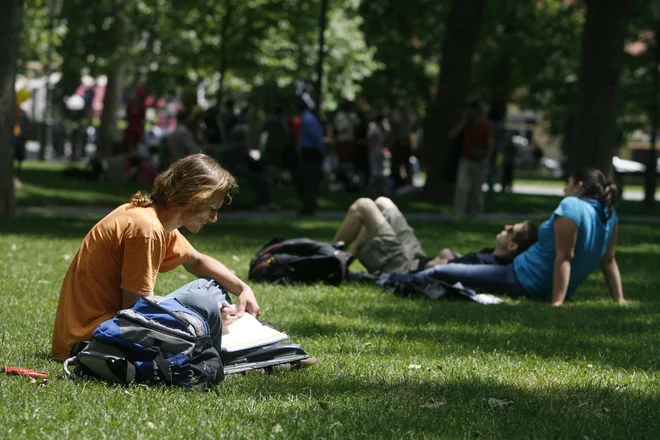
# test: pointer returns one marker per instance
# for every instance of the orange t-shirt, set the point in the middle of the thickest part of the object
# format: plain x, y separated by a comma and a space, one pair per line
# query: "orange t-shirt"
476, 141
123, 251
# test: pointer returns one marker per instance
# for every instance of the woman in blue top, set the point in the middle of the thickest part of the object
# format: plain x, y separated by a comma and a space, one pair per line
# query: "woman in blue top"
578, 237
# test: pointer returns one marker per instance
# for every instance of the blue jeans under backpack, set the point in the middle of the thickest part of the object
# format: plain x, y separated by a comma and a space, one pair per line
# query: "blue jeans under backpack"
157, 341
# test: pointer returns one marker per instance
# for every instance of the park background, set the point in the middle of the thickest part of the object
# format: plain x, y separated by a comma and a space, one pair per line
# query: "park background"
388, 367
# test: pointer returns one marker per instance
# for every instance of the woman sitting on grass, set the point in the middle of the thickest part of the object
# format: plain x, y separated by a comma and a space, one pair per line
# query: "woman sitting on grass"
580, 235
121, 256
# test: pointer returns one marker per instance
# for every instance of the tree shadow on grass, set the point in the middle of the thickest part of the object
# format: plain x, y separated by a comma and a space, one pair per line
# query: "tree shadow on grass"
427, 404
624, 337
250, 234
47, 226
48, 186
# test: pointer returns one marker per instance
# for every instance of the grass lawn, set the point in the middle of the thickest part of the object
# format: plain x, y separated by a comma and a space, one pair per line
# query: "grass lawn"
44, 185
388, 367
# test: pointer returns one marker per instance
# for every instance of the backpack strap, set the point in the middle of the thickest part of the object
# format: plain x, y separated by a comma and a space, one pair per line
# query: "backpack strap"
74, 362
164, 367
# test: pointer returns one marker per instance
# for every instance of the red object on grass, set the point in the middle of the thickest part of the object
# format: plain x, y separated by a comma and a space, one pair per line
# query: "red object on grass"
25, 372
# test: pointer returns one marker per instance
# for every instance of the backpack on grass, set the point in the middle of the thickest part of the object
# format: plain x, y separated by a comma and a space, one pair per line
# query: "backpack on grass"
157, 341
301, 260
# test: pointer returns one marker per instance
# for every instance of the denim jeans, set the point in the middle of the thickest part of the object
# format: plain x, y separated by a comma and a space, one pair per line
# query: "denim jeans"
203, 296
489, 277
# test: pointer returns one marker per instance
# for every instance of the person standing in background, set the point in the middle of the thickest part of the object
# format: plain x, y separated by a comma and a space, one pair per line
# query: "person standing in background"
344, 125
402, 150
376, 151
494, 159
310, 150
475, 149
136, 113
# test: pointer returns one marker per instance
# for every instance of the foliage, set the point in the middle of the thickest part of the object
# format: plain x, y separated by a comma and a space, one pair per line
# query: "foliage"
176, 45
408, 36
385, 51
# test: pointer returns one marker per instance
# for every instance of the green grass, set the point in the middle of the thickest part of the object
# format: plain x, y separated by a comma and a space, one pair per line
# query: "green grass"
585, 370
45, 185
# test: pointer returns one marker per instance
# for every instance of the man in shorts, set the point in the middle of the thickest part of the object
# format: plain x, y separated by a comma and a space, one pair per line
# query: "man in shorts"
384, 242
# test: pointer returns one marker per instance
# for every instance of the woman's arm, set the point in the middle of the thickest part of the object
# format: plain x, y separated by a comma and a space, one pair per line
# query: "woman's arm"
610, 269
204, 266
566, 231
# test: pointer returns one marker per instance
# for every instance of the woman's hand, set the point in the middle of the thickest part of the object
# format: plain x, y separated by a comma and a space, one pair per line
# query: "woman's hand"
247, 302
229, 315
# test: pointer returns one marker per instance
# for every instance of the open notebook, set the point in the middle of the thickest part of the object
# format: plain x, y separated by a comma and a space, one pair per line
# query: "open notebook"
248, 332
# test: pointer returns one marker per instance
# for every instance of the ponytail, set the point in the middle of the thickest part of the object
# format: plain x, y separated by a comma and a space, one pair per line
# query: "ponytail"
141, 199
609, 198
594, 187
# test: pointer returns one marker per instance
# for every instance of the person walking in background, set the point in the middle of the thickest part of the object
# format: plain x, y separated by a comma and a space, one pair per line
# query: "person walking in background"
276, 131
344, 125
376, 151
310, 150
229, 118
494, 158
136, 113
20, 138
476, 145
181, 141
402, 150
241, 164
508, 162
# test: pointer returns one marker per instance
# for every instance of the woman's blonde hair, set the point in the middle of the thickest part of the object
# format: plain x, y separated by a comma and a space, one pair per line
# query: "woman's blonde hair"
189, 182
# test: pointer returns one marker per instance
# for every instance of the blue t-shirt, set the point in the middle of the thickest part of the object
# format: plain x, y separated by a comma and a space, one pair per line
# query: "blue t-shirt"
534, 268
311, 132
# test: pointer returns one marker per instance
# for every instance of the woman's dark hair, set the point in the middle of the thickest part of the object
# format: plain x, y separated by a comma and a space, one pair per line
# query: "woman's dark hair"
527, 237
594, 186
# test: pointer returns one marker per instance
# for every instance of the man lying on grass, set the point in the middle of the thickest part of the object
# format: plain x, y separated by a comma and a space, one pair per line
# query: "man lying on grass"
579, 236
121, 256
384, 242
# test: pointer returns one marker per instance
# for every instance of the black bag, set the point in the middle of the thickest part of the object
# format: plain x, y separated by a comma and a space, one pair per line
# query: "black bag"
301, 260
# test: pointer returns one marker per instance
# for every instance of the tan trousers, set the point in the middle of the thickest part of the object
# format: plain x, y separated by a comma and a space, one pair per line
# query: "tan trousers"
469, 198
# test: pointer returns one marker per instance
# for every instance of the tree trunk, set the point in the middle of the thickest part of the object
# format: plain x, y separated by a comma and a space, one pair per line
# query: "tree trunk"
501, 85
113, 90
593, 138
10, 23
224, 32
501, 88
460, 40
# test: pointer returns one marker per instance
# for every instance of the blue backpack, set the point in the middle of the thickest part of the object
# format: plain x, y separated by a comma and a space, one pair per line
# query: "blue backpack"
158, 341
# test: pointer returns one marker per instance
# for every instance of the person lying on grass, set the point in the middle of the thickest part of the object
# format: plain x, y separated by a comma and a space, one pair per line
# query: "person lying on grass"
579, 236
384, 242
122, 254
